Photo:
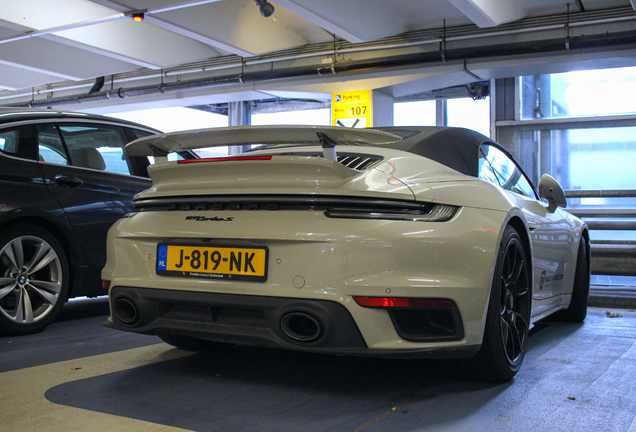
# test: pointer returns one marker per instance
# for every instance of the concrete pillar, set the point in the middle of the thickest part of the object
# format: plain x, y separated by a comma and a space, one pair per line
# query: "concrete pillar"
382, 109
441, 112
239, 114
504, 99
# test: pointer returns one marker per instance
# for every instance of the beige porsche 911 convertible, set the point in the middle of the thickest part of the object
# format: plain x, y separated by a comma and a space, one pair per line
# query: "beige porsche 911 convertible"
404, 242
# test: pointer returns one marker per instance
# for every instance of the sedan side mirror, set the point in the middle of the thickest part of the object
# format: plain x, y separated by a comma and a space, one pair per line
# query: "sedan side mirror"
550, 189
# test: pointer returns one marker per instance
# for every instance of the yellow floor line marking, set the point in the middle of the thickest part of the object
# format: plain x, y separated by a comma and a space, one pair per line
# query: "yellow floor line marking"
420, 396
24, 406
386, 414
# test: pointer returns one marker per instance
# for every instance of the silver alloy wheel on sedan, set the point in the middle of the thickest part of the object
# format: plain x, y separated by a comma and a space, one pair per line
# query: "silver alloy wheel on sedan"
30, 279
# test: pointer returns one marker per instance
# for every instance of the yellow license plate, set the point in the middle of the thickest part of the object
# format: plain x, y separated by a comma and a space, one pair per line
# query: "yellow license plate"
213, 262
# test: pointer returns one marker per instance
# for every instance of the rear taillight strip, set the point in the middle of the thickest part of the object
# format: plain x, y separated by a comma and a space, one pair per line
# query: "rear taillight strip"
405, 302
225, 159
284, 202
433, 213
333, 207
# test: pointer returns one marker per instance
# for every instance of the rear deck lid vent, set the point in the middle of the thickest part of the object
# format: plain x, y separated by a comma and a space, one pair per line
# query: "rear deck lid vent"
358, 162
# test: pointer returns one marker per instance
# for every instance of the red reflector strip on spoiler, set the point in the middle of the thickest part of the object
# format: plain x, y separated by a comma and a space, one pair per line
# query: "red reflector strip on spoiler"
225, 159
406, 302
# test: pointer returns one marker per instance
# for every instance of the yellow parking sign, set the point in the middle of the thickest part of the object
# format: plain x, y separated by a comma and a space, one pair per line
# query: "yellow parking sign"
352, 109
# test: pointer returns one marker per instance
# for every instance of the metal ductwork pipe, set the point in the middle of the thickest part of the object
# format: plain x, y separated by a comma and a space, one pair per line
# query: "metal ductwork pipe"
502, 50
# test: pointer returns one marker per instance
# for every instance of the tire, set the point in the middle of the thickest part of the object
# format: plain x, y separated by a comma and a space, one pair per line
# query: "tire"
577, 311
507, 321
189, 343
34, 279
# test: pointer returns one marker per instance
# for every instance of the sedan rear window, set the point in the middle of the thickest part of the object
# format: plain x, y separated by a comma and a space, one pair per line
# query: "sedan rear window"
96, 147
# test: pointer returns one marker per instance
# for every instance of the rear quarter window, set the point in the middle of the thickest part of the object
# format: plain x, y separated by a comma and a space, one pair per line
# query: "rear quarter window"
9, 141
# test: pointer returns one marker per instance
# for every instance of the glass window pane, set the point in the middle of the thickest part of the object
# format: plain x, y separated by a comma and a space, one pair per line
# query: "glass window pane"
171, 156
582, 158
420, 113
49, 155
509, 175
470, 114
9, 141
317, 117
140, 134
523, 187
485, 170
174, 119
96, 147
212, 152
580, 93
175, 157
51, 149
500, 163
19, 141
589, 158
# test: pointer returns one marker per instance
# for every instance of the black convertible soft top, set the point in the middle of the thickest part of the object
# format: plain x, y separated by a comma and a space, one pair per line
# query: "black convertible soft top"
456, 148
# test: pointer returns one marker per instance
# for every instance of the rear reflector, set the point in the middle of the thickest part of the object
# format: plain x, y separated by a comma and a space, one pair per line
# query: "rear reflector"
105, 284
405, 302
225, 159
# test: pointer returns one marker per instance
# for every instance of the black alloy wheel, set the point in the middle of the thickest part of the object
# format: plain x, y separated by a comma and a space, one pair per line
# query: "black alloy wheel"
514, 303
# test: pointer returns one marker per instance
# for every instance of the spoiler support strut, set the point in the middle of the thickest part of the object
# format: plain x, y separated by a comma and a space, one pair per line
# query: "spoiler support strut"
328, 146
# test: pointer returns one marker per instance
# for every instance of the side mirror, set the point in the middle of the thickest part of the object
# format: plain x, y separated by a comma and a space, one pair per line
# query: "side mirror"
550, 189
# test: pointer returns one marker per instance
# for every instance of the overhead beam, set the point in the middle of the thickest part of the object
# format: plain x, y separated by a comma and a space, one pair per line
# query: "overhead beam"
34, 62
199, 37
153, 18
14, 77
36, 33
369, 20
102, 29
233, 27
123, 13
490, 13
328, 24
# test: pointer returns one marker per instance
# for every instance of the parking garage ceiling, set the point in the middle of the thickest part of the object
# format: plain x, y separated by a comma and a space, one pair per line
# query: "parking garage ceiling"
56, 50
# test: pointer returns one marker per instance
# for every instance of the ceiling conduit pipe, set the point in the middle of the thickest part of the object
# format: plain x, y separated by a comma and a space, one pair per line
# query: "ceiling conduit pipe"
424, 37
503, 50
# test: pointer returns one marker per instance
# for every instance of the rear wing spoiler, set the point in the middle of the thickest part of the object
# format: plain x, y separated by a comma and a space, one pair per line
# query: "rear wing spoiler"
326, 136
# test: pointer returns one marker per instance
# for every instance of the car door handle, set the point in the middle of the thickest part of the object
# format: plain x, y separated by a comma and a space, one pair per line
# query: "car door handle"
68, 181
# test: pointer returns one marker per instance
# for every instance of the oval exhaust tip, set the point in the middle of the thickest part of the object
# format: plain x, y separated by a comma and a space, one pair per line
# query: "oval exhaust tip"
301, 326
125, 311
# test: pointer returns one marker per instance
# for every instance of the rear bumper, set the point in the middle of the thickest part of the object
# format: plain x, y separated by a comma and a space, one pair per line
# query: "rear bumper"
316, 260
251, 320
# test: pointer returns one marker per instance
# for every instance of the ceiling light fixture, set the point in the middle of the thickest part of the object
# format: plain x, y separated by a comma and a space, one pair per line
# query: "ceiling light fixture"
267, 9
138, 16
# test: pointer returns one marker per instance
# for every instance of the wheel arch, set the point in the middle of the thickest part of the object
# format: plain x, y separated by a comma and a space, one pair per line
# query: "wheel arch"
516, 221
520, 226
585, 235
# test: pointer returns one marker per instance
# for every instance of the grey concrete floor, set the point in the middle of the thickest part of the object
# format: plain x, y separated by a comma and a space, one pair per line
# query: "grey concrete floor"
80, 376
